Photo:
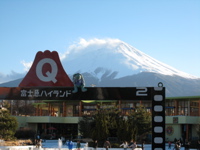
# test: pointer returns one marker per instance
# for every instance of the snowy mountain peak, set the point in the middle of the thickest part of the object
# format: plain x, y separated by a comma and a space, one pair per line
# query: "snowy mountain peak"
112, 57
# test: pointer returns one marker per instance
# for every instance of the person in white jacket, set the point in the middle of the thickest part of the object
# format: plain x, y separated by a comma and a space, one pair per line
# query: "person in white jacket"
125, 145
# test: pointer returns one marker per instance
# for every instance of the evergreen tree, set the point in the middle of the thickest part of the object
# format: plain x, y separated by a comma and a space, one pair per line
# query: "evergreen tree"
85, 126
139, 122
198, 130
100, 130
109, 122
123, 129
8, 124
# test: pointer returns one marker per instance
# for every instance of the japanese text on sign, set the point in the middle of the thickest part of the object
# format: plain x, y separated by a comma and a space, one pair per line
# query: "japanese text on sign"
44, 93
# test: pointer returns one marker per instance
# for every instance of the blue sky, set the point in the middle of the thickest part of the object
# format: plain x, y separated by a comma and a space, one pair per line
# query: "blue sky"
167, 30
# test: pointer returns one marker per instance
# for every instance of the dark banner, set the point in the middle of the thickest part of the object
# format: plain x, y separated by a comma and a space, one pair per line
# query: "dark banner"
92, 93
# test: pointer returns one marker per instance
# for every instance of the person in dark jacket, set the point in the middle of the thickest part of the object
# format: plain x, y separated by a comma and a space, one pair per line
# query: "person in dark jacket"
178, 145
95, 144
78, 145
107, 145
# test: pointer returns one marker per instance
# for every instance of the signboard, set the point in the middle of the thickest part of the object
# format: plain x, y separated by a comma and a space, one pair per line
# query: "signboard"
92, 93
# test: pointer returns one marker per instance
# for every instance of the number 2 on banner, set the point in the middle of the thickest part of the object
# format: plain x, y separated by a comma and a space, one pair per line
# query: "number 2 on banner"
141, 91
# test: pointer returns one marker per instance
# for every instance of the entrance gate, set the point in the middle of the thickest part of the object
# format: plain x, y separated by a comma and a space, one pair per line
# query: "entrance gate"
29, 89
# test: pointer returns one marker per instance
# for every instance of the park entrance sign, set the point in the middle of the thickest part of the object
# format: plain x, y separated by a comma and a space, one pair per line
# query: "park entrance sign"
47, 80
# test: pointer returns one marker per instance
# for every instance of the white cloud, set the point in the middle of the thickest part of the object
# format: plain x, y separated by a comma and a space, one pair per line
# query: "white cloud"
27, 65
91, 44
98, 42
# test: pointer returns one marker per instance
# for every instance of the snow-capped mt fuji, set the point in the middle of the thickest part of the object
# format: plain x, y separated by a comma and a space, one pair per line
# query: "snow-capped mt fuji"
112, 57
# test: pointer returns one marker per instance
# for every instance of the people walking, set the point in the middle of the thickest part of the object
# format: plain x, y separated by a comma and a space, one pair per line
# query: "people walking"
70, 145
95, 144
125, 145
133, 146
39, 144
107, 144
169, 144
78, 145
178, 145
131, 143
143, 144
63, 140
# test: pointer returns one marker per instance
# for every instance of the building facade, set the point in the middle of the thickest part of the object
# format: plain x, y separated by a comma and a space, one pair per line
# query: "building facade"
182, 115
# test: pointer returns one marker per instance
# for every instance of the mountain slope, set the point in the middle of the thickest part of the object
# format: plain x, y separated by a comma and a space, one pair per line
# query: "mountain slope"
14, 83
106, 57
175, 85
